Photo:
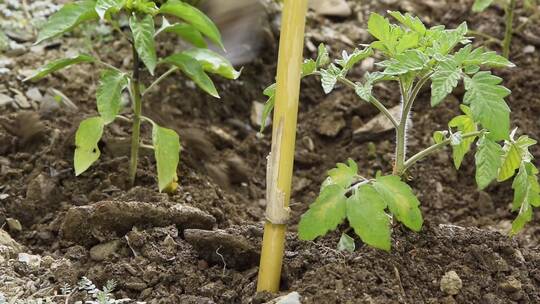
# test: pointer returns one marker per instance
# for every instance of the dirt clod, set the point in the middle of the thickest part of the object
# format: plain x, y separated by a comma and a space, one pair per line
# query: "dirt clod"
103, 251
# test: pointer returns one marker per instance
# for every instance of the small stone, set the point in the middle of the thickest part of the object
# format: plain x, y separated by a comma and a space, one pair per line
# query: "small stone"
451, 283
331, 125
11, 244
529, 49
511, 285
34, 94
334, 8
380, 124
308, 143
14, 224
257, 110
291, 298
103, 251
47, 261
33, 261
5, 99
439, 187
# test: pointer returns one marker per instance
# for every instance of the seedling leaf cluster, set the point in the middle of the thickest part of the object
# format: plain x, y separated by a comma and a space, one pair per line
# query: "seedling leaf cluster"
414, 56
192, 26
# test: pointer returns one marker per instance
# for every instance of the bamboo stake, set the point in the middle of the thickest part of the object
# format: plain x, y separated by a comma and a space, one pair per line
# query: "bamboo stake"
281, 159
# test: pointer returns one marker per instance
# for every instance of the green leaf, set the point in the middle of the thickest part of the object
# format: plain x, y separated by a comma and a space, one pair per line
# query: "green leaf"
488, 161
213, 63
464, 124
524, 216
486, 98
344, 175
365, 212
348, 61
308, 67
325, 214
480, 5
408, 61
346, 243
364, 91
514, 153
413, 23
439, 136
270, 92
194, 17
329, 78
58, 65
444, 41
86, 143
379, 27
143, 37
444, 80
194, 70
104, 7
526, 195
109, 94
167, 153
68, 17
482, 56
323, 59
400, 200
185, 31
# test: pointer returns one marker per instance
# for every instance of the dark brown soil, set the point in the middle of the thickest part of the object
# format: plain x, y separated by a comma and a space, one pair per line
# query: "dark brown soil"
160, 255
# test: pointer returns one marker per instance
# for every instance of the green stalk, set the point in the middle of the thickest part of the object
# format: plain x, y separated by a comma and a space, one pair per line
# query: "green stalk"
137, 110
509, 24
433, 148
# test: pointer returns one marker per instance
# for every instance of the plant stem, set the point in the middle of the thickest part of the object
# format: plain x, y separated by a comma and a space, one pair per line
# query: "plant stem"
373, 101
163, 76
433, 148
489, 38
137, 110
509, 23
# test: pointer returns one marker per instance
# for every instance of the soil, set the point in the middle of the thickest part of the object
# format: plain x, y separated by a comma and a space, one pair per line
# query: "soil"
201, 245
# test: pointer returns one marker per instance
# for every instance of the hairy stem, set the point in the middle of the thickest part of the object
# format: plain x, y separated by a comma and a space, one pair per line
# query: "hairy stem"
433, 148
374, 101
157, 81
509, 23
137, 110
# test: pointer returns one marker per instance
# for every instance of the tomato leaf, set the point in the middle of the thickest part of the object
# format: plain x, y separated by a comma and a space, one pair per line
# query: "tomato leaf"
343, 175
194, 17
86, 141
401, 201
444, 80
167, 153
346, 243
143, 37
488, 161
185, 31
109, 94
58, 65
480, 5
68, 17
515, 152
365, 212
194, 70
104, 7
214, 63
328, 211
464, 124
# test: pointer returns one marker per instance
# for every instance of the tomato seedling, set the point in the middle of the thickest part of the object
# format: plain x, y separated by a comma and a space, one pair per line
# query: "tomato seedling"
413, 56
193, 26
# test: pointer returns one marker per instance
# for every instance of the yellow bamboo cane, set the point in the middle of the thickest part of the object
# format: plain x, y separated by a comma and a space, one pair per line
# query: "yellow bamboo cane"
280, 168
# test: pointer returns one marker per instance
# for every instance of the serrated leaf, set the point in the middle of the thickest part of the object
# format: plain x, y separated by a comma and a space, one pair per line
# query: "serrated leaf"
143, 37
482, 56
194, 17
308, 67
214, 63
323, 58
401, 201
486, 98
488, 161
514, 153
346, 243
343, 175
444, 80
411, 22
329, 78
109, 94
325, 214
364, 91
185, 31
379, 27
526, 195
365, 212
408, 61
58, 65
524, 216
68, 17
464, 124
167, 153
444, 41
480, 5
194, 70
86, 143
270, 92
104, 7
348, 61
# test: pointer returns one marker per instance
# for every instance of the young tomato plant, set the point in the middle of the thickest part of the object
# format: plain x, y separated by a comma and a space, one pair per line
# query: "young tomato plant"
413, 56
193, 26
